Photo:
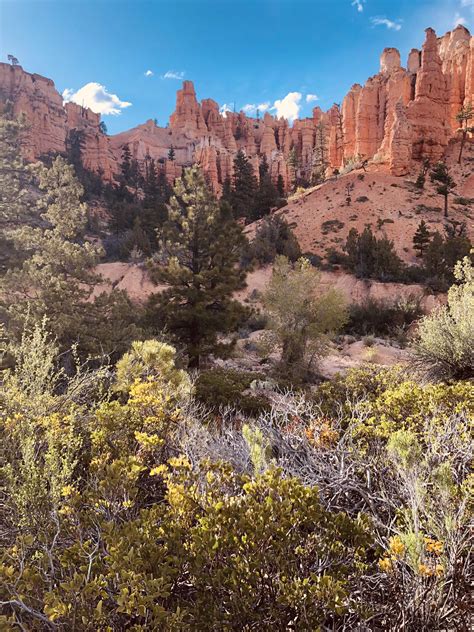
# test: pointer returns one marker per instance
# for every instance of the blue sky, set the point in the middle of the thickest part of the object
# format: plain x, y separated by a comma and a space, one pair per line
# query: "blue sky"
249, 52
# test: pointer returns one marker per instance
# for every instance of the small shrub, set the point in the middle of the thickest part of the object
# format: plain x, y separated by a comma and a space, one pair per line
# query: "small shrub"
382, 318
225, 387
331, 225
444, 349
273, 237
368, 341
463, 201
362, 198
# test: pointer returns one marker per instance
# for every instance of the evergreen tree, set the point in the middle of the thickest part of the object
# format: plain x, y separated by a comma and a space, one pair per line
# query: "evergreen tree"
267, 196
126, 164
421, 179
227, 191
244, 187
56, 279
155, 196
163, 187
441, 256
273, 237
280, 186
369, 257
319, 159
171, 154
74, 149
293, 163
464, 117
445, 183
14, 176
421, 238
139, 239
201, 248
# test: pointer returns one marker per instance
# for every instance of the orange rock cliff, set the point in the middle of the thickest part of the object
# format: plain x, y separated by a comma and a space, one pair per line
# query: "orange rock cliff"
400, 116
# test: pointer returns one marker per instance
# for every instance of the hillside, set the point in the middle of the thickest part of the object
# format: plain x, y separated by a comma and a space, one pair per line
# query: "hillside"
393, 206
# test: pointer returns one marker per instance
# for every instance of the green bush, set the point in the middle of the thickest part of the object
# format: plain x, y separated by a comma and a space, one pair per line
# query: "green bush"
273, 237
225, 387
382, 318
445, 346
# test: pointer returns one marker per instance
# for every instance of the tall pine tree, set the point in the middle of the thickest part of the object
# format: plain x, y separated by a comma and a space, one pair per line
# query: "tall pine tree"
445, 183
244, 187
201, 247
267, 195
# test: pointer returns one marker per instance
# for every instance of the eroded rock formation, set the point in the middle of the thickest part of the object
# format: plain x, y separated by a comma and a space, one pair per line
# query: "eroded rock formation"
50, 122
399, 116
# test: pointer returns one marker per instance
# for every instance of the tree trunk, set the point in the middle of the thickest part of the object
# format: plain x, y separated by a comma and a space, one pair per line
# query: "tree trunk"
446, 205
463, 140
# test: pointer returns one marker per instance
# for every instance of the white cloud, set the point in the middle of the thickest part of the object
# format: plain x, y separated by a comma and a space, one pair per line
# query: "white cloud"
67, 95
311, 97
173, 74
251, 108
288, 107
467, 3
359, 4
149, 73
459, 20
393, 25
95, 96
227, 107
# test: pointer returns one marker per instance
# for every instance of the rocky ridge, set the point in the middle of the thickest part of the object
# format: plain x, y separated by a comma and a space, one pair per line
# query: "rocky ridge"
400, 116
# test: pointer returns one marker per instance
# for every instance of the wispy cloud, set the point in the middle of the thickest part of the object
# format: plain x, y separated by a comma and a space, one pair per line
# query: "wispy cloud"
96, 97
227, 107
251, 108
459, 20
393, 25
173, 74
359, 5
288, 107
311, 97
149, 73
467, 3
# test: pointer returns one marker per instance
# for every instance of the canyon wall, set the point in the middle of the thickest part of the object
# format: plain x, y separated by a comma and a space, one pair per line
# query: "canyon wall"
400, 116
50, 121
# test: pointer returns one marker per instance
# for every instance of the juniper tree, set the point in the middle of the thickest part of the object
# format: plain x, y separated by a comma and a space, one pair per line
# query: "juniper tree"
421, 238
201, 246
369, 257
445, 184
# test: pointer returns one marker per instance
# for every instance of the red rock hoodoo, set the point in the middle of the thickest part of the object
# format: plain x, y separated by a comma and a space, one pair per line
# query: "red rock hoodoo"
399, 116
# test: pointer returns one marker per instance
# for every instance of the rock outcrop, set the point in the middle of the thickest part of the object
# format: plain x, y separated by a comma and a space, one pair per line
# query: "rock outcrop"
399, 116
50, 122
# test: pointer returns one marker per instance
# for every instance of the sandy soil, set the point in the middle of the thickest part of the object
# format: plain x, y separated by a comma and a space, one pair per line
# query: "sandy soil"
321, 218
